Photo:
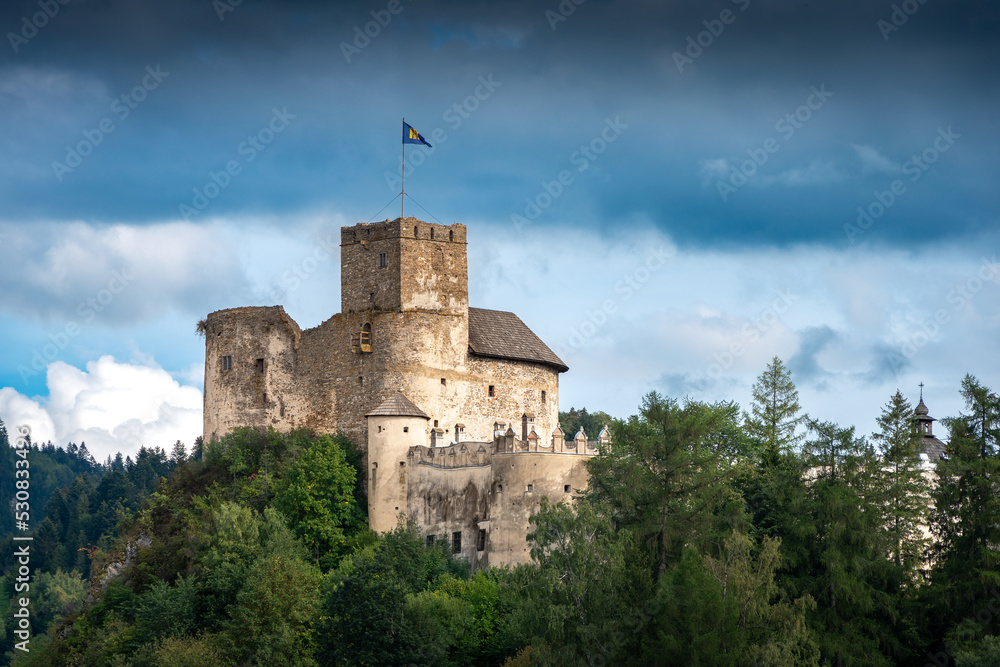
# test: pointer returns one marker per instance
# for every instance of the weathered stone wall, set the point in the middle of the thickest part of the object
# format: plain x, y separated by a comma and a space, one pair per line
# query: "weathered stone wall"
554, 475
241, 396
425, 267
449, 493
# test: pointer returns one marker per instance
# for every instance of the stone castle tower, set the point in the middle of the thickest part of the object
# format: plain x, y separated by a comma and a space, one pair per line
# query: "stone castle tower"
429, 388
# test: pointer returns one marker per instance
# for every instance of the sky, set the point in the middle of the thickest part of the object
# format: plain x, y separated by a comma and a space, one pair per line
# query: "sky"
669, 193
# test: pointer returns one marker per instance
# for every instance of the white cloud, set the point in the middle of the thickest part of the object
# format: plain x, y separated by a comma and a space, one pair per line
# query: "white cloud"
873, 162
113, 407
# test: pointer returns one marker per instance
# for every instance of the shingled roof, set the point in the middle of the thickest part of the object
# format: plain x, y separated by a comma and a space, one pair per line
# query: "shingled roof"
397, 405
502, 335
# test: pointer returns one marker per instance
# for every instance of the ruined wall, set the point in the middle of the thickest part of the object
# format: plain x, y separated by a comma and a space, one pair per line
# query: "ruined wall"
242, 395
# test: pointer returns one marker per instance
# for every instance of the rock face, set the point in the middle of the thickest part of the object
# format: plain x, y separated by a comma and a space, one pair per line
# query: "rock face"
115, 569
405, 328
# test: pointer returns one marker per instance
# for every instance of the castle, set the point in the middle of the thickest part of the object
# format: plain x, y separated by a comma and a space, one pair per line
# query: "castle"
455, 408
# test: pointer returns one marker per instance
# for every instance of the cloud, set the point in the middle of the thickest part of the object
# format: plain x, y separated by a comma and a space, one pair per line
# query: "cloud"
112, 406
115, 274
873, 162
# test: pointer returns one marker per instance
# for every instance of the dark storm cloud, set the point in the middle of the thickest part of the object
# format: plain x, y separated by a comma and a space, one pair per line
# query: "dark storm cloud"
891, 94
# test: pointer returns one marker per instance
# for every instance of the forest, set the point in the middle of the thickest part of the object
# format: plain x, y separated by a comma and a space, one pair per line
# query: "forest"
709, 534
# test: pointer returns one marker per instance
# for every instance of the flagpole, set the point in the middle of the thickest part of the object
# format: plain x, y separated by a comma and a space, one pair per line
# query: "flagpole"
402, 192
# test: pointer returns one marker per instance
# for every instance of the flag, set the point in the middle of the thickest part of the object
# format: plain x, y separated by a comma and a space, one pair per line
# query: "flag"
411, 136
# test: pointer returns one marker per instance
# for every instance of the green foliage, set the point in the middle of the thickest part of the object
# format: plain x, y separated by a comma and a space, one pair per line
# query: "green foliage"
985, 653
774, 412
664, 474
317, 497
591, 422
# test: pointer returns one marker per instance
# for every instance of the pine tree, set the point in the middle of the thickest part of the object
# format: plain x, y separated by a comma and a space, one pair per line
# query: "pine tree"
179, 453
966, 515
905, 490
774, 412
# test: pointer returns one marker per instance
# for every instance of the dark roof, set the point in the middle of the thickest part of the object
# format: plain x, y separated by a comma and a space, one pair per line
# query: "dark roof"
922, 409
932, 447
397, 405
499, 334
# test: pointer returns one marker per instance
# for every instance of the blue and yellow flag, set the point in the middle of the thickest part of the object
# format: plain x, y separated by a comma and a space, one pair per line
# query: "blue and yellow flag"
411, 136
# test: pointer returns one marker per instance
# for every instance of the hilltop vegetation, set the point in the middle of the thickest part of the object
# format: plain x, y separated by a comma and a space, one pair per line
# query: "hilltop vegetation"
708, 536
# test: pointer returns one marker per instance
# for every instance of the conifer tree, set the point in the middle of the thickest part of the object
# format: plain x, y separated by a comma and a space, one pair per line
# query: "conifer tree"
966, 515
905, 490
774, 412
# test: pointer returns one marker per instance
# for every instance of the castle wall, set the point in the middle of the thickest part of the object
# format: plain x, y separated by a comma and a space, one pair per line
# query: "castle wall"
553, 475
241, 395
449, 493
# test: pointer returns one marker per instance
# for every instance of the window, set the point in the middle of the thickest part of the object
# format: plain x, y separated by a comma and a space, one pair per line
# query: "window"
430, 541
227, 363
402, 463
499, 488
432, 233
566, 488
444, 382
451, 236
260, 367
406, 429
435, 423
531, 487
361, 379
456, 542
382, 261
416, 232
492, 392
543, 397
371, 297
481, 543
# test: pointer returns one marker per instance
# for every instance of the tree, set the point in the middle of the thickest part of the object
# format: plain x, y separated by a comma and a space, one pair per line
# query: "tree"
318, 498
774, 412
905, 490
179, 453
966, 515
663, 474
585, 602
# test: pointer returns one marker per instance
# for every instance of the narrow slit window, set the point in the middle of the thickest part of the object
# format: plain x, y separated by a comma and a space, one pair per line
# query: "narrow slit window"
416, 232
481, 543
382, 260
227, 363
543, 397
492, 391
430, 541
371, 297
451, 236
456, 542
444, 382
260, 367
432, 233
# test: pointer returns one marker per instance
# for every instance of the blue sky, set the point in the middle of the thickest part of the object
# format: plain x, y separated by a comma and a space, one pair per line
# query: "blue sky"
669, 193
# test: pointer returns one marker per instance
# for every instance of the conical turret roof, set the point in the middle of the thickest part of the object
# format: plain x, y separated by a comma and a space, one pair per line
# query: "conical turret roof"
397, 405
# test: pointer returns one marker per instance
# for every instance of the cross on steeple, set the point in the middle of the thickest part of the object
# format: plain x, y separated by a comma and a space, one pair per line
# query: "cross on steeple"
921, 390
